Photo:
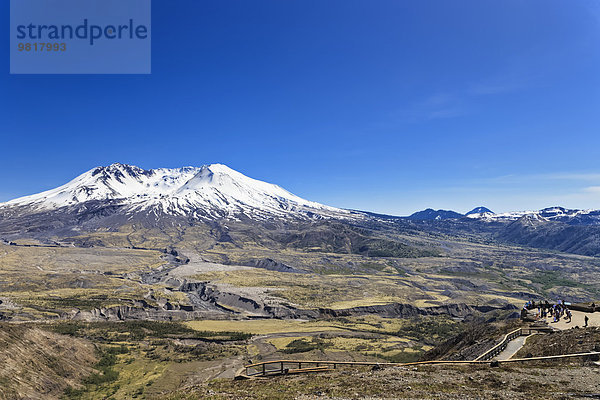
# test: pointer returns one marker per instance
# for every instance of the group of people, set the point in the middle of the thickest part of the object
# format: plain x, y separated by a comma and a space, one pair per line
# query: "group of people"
555, 311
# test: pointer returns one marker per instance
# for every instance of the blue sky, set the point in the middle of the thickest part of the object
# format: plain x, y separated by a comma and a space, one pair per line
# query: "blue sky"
388, 106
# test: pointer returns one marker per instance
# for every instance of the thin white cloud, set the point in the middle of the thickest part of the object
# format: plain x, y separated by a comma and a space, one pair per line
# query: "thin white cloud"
593, 7
592, 190
438, 99
459, 103
447, 113
483, 89
437, 106
509, 81
555, 176
574, 176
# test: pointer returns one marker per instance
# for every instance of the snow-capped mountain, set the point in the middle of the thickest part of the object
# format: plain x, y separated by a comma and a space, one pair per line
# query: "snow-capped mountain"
210, 191
480, 210
559, 214
483, 214
431, 214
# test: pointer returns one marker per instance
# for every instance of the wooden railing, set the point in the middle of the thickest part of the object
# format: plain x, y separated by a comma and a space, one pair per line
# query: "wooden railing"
278, 367
284, 367
499, 348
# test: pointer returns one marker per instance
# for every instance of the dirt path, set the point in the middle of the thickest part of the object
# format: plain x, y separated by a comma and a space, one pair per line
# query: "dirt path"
179, 375
196, 267
268, 352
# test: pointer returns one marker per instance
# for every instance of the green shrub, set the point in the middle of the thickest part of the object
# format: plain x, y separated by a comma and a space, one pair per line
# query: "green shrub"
303, 345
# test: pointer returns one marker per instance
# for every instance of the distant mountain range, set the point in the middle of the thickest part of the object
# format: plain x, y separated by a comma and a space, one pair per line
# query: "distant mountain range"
558, 214
216, 203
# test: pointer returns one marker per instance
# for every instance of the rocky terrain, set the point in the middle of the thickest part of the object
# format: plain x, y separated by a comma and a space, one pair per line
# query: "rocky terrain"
522, 383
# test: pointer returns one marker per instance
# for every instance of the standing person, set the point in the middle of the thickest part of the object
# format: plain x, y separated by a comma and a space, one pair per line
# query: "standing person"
586, 320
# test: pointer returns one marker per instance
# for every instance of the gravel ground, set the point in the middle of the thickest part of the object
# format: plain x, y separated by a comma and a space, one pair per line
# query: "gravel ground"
195, 267
575, 381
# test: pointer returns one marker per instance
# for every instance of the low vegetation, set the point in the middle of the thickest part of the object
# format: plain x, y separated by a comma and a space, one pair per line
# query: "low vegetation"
133, 355
140, 330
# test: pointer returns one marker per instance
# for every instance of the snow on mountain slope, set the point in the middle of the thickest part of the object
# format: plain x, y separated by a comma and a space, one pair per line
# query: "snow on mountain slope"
210, 191
437, 215
480, 210
560, 214
116, 181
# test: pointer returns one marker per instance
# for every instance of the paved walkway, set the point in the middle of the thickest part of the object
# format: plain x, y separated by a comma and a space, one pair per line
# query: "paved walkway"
511, 348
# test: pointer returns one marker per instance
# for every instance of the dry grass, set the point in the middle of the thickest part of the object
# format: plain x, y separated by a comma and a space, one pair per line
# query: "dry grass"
260, 327
41, 364
336, 291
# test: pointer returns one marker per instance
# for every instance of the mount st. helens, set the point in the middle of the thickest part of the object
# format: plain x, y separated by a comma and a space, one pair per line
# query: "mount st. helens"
215, 204
209, 192
193, 207
216, 191
117, 196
